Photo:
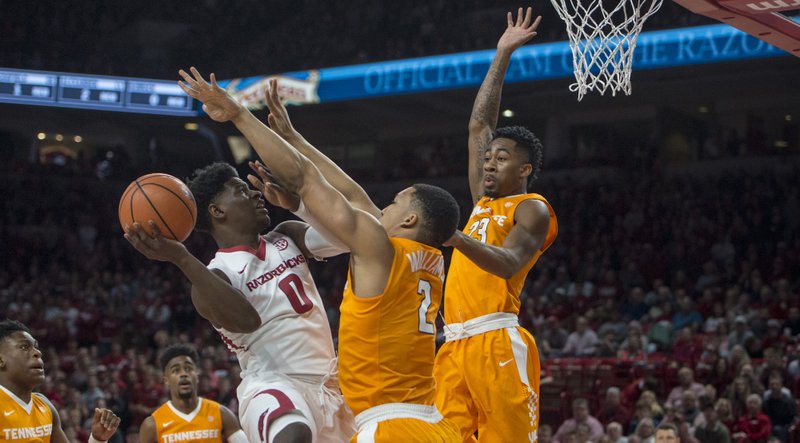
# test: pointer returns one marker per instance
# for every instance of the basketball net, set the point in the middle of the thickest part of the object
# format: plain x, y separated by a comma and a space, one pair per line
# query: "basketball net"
602, 39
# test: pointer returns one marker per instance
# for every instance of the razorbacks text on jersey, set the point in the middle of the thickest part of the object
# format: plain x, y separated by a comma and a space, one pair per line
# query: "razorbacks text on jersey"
294, 338
29, 422
203, 425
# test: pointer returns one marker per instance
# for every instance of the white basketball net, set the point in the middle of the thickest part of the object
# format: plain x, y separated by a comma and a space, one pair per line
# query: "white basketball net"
602, 39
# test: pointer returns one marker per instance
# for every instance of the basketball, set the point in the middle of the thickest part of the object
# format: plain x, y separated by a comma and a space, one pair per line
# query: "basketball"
162, 198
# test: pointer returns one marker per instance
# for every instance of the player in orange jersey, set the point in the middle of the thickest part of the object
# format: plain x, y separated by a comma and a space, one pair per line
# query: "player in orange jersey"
29, 416
487, 372
387, 332
187, 417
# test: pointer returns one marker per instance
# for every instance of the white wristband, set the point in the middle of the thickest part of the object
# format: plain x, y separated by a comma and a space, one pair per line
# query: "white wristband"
94, 440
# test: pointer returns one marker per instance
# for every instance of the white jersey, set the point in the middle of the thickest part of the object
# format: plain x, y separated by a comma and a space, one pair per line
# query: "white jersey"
294, 338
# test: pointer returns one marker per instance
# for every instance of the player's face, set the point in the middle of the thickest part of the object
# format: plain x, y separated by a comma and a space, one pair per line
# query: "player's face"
396, 213
22, 359
504, 168
243, 206
181, 377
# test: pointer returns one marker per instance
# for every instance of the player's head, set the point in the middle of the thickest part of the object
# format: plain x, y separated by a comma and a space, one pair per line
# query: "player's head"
667, 433
511, 161
20, 358
425, 213
224, 199
179, 365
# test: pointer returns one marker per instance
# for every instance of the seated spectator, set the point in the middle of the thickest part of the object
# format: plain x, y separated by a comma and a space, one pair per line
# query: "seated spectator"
614, 433
741, 332
552, 337
689, 409
631, 393
580, 415
645, 431
612, 410
737, 393
545, 433
686, 316
686, 383
711, 430
583, 342
642, 412
632, 349
687, 347
635, 307
780, 407
649, 398
774, 337
753, 425
747, 372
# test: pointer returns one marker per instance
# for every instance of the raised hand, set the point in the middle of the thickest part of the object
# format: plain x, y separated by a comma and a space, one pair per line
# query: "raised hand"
275, 194
278, 117
104, 424
217, 103
154, 248
520, 31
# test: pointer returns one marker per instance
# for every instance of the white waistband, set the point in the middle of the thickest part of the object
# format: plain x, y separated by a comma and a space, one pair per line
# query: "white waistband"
389, 411
479, 325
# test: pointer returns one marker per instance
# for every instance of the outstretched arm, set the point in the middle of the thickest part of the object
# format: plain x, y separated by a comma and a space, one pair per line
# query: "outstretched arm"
359, 231
279, 121
532, 223
486, 108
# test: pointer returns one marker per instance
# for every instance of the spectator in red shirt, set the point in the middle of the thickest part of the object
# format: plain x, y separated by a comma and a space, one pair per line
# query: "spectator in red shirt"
754, 426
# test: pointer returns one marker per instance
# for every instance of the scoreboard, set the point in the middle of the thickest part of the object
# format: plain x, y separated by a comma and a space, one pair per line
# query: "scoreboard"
94, 92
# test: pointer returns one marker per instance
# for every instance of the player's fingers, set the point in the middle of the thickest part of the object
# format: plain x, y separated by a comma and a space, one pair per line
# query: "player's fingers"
189, 91
528, 15
214, 79
535, 24
199, 77
157, 235
519, 17
510, 19
258, 184
186, 77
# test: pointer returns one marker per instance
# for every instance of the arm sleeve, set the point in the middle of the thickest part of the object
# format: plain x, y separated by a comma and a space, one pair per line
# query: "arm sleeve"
319, 241
237, 437
321, 246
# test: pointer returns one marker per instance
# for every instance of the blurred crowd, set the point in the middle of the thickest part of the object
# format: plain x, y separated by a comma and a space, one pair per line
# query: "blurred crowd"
698, 273
235, 39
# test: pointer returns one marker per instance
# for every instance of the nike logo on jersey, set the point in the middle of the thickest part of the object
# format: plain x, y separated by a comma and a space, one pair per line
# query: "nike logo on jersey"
7, 413
479, 210
503, 363
245, 267
167, 424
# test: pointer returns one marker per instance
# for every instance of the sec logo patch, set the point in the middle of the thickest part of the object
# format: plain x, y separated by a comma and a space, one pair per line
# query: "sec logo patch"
281, 244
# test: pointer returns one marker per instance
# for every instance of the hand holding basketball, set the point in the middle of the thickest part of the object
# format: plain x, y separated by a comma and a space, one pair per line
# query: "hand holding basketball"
156, 247
217, 103
520, 31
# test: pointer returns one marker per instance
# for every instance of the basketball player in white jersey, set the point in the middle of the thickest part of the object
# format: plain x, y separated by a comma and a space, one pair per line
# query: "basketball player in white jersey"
259, 294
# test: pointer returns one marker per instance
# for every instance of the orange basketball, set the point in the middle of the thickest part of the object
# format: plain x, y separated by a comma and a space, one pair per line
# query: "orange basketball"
161, 198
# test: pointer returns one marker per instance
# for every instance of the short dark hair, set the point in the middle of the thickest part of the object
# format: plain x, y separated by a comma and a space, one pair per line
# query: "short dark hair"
8, 327
205, 184
527, 142
668, 427
439, 213
177, 351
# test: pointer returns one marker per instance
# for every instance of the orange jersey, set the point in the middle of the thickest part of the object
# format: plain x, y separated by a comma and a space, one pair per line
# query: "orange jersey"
204, 424
29, 423
473, 292
387, 342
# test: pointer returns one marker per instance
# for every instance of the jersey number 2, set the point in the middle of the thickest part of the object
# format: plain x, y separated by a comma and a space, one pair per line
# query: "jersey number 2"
424, 288
292, 286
